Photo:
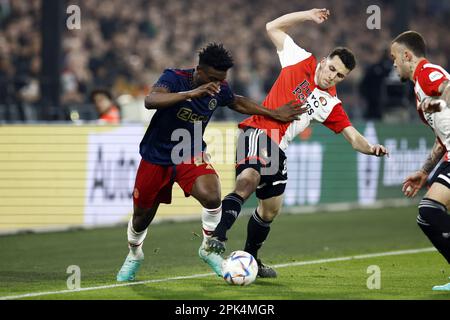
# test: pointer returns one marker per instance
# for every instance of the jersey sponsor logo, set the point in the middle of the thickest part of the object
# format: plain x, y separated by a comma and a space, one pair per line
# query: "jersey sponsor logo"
302, 91
323, 101
186, 114
212, 104
435, 75
314, 102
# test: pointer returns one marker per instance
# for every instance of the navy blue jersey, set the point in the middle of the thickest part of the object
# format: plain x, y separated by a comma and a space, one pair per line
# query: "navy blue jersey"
157, 145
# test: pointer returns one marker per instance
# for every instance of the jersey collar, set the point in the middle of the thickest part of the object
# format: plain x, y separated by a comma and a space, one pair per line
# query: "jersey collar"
315, 76
419, 68
191, 77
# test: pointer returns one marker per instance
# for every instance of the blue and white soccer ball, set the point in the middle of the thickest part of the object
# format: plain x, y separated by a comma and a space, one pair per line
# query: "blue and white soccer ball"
240, 268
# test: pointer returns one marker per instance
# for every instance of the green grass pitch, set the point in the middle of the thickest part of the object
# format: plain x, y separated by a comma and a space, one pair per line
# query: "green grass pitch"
32, 263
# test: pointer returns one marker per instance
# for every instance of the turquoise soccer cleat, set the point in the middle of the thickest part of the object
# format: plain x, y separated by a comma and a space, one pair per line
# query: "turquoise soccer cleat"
214, 260
129, 269
445, 287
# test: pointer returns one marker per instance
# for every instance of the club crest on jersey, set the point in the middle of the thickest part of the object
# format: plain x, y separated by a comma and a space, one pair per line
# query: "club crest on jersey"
323, 101
212, 104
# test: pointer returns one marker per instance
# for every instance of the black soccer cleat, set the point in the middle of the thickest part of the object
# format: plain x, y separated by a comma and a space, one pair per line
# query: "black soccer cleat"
265, 271
215, 245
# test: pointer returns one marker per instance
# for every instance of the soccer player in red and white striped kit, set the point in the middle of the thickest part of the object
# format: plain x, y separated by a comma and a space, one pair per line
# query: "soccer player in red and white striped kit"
261, 160
432, 89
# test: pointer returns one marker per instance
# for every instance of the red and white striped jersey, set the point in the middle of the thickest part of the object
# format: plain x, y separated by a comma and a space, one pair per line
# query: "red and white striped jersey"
296, 81
427, 79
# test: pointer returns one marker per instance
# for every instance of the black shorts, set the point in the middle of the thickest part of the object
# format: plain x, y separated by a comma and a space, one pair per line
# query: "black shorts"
442, 175
256, 150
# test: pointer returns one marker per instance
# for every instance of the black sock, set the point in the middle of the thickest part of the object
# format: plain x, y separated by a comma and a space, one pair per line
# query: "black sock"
257, 232
231, 207
435, 223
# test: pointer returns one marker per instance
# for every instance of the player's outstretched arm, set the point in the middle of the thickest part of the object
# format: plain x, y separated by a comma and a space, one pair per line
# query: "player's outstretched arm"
360, 143
415, 181
277, 29
286, 113
161, 97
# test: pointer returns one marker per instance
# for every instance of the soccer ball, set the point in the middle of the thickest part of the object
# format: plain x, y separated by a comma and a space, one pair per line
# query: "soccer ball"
240, 268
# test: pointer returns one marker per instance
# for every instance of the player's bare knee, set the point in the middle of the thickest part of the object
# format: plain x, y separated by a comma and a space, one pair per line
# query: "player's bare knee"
212, 203
275, 213
209, 199
139, 212
247, 182
268, 214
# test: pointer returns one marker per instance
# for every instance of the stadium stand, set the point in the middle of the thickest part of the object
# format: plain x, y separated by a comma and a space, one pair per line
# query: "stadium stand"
124, 46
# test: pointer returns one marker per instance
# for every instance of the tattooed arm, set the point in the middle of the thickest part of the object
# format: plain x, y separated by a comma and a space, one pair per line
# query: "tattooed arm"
417, 180
433, 159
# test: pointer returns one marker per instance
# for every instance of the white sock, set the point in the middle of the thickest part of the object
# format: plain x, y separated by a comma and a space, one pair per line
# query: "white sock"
210, 220
135, 241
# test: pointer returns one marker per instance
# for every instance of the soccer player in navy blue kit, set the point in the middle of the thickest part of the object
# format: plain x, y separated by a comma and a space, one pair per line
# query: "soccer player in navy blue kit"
185, 101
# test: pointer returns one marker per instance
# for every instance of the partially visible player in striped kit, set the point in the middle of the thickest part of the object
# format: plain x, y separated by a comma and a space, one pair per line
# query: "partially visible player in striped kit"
432, 88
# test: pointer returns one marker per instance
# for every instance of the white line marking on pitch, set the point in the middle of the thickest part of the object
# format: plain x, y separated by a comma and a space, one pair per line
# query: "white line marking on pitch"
292, 264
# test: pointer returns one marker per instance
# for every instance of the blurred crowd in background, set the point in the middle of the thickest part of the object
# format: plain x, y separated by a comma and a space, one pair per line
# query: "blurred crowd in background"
125, 45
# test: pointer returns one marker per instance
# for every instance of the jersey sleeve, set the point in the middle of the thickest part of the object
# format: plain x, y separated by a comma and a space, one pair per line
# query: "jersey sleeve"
291, 53
337, 120
430, 79
226, 95
168, 80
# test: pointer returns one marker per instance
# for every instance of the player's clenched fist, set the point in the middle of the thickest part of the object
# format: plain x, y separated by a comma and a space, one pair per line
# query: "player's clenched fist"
319, 15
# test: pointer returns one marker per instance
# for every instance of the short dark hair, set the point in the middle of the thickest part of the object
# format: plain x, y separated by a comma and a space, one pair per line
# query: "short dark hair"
216, 56
413, 41
346, 55
103, 91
